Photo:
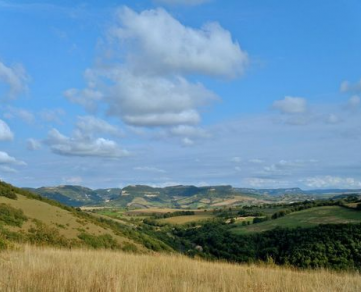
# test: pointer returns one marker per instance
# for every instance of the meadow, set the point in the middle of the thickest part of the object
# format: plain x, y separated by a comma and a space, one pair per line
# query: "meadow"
48, 269
178, 220
306, 218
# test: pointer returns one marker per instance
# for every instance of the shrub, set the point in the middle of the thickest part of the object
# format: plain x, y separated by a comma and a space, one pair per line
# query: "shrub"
12, 216
101, 241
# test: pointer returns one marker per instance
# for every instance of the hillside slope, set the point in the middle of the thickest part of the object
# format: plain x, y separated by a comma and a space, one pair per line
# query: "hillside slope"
26, 217
103, 271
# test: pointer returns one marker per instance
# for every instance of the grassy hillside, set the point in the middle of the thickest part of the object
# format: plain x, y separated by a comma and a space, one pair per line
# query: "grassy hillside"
306, 218
80, 270
29, 218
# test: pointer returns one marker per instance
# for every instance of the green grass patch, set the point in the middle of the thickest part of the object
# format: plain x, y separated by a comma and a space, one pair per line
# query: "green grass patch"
306, 218
179, 220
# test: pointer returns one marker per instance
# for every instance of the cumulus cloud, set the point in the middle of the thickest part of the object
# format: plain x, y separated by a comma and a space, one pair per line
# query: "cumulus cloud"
332, 182
146, 84
33, 144
88, 98
182, 2
15, 78
188, 135
291, 105
7, 159
90, 125
164, 45
83, 146
156, 101
5, 132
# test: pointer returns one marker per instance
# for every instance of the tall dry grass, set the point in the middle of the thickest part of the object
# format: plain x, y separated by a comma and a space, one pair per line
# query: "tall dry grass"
34, 269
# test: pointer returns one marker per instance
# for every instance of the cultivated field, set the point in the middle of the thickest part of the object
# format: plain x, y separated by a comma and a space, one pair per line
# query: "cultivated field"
34, 269
307, 218
187, 219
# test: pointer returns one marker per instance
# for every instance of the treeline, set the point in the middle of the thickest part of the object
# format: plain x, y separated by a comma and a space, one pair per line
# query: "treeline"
325, 246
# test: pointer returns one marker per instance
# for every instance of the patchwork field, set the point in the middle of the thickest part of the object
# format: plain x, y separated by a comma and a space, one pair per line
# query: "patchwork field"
34, 269
306, 218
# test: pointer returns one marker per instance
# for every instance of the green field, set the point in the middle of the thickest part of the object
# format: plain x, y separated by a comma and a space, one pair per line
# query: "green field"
306, 218
187, 219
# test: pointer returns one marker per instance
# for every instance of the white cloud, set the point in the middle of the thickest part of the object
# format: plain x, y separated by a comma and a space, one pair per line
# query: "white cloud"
88, 98
291, 105
15, 78
7, 159
332, 182
32, 144
182, 2
157, 101
164, 45
5, 132
90, 125
83, 146
152, 100
152, 53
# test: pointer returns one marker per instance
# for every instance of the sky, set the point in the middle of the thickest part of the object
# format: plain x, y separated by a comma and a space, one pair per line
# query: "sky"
259, 94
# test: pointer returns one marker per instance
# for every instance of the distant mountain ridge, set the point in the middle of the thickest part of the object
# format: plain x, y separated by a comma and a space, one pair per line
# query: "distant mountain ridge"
181, 196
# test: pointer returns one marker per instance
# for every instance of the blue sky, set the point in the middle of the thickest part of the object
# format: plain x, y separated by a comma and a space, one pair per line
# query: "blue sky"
249, 93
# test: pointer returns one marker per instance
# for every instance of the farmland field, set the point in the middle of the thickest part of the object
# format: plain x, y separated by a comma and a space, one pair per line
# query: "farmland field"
306, 218
187, 219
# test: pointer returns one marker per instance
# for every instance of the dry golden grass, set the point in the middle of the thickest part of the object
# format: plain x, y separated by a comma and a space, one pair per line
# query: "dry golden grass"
35, 269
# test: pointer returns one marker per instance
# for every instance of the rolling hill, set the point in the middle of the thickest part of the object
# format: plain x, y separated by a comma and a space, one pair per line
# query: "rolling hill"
29, 218
178, 197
